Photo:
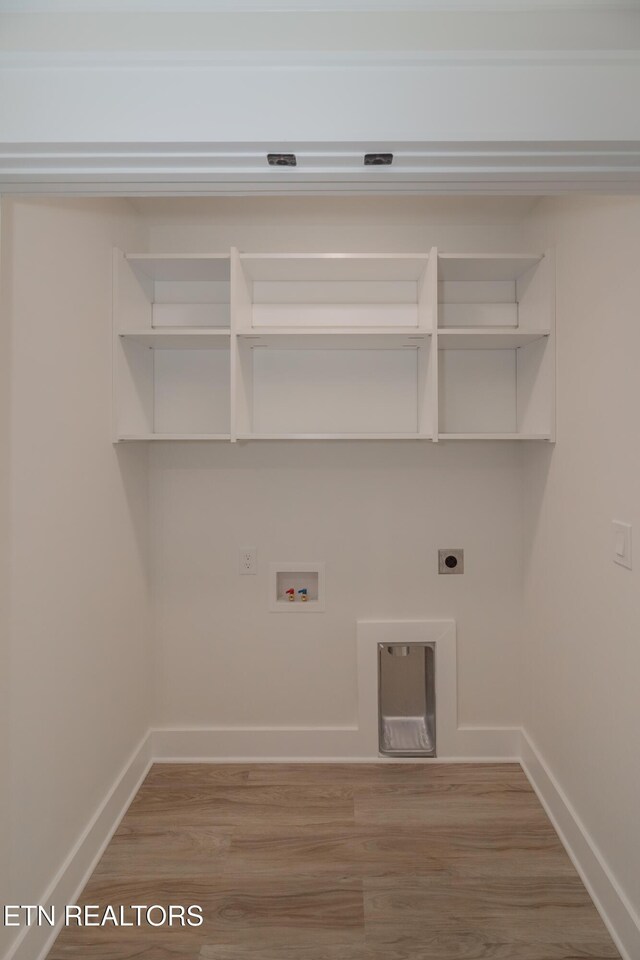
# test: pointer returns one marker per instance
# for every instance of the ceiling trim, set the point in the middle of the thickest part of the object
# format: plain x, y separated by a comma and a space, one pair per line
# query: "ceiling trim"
441, 188
274, 59
215, 169
311, 6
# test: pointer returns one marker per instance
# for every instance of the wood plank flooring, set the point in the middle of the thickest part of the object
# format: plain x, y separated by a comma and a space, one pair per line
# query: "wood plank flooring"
341, 862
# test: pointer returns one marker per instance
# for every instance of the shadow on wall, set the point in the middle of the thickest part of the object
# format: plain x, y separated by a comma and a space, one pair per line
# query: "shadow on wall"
6, 872
129, 457
538, 461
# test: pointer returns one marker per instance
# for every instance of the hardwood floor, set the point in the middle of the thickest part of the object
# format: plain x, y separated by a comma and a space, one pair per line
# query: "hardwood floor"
341, 862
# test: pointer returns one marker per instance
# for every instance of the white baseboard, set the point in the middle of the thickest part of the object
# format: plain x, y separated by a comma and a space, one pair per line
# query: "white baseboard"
33, 943
613, 906
315, 745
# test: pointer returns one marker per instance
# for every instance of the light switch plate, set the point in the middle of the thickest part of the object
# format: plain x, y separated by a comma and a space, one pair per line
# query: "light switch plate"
622, 543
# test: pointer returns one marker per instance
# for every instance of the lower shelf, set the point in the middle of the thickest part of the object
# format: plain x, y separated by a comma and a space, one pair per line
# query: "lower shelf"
127, 438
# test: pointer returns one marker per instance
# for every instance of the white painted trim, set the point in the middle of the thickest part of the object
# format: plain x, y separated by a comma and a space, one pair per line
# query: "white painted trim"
316, 6
313, 745
201, 169
180, 758
66, 886
318, 59
618, 914
205, 188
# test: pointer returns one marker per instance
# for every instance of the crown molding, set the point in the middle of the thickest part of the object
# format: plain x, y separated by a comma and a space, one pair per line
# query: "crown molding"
463, 121
279, 60
313, 6
201, 169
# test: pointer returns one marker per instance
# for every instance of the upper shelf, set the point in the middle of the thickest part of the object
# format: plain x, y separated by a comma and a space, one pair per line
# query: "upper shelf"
329, 267
489, 267
181, 267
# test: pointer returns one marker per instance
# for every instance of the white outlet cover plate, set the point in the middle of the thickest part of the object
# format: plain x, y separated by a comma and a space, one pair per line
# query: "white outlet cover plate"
622, 543
248, 561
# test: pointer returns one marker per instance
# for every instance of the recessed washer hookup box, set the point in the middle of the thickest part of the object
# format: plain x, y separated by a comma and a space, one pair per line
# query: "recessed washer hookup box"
407, 699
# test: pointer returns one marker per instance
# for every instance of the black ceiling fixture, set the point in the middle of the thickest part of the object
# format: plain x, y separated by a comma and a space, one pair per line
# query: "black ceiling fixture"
378, 159
282, 160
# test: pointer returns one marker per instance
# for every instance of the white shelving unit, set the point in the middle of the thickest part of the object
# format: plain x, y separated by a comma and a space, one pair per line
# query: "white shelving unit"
496, 347
333, 346
172, 347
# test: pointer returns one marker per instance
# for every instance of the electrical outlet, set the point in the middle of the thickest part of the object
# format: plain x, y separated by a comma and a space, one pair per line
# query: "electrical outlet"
247, 561
451, 560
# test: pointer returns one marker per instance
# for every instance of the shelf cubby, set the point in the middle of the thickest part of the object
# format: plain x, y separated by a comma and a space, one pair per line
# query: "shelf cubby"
172, 392
495, 347
310, 386
490, 393
333, 290
483, 291
171, 381
189, 290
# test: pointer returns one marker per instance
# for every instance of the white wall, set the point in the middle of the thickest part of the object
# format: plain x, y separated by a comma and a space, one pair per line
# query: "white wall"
374, 512
405, 224
80, 625
582, 612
